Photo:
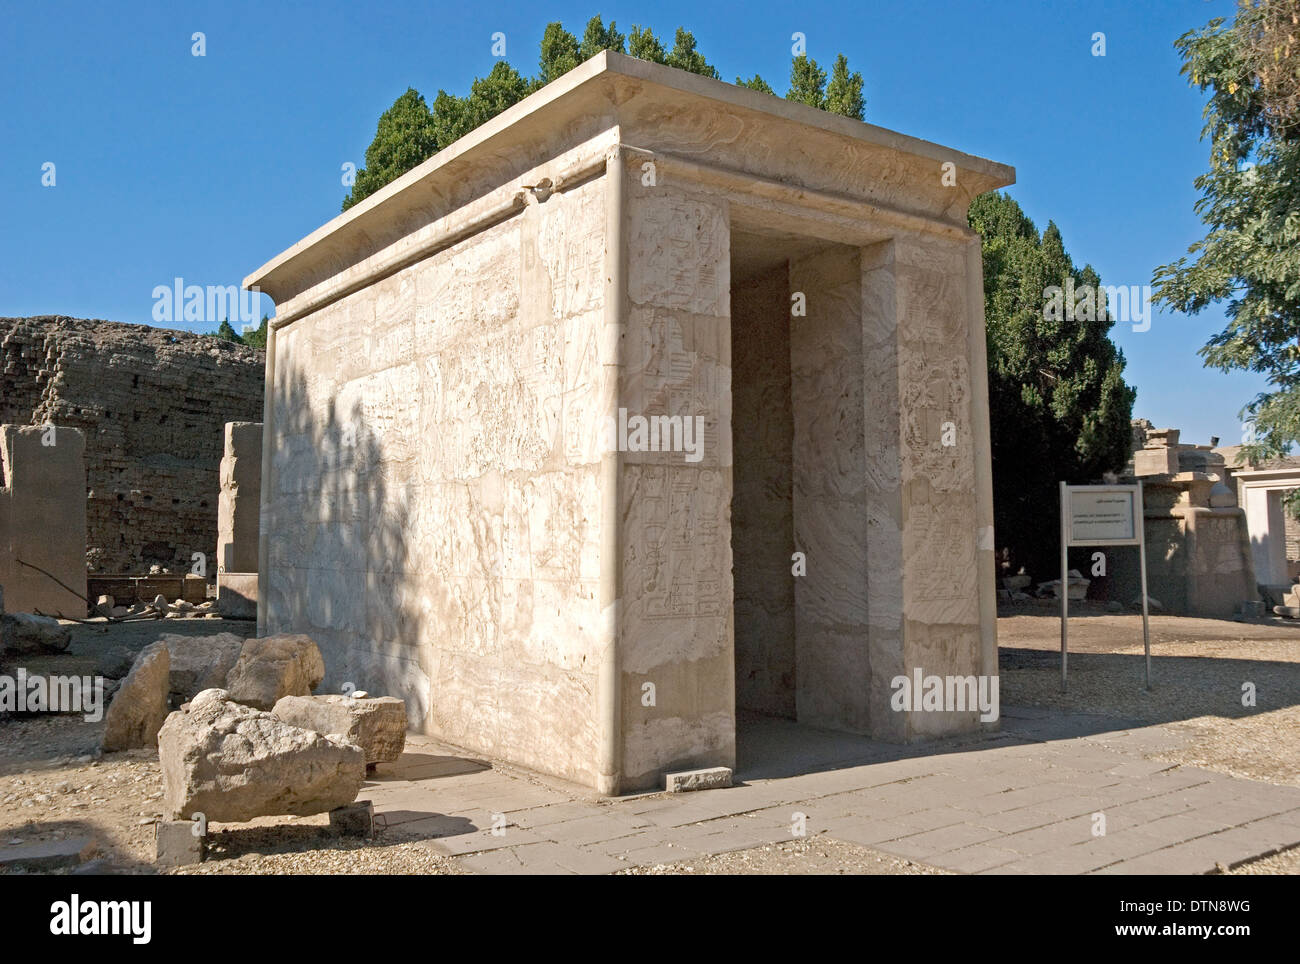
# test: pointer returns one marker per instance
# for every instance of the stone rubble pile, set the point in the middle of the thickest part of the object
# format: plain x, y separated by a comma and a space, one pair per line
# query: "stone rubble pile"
247, 738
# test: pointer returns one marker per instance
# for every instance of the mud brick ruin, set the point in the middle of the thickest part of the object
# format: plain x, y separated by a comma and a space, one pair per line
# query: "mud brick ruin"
151, 404
443, 513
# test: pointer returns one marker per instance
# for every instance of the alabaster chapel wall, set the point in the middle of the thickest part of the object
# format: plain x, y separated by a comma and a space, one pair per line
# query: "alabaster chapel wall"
436, 507
441, 509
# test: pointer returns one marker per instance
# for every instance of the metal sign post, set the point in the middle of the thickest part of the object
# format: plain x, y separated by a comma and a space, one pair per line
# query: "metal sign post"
1101, 515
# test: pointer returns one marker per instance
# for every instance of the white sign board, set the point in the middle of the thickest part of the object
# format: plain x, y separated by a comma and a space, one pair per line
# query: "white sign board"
1103, 515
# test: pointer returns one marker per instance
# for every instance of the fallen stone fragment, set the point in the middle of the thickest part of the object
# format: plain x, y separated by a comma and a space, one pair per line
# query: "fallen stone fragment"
273, 667
708, 779
34, 634
232, 763
140, 705
176, 844
199, 663
46, 855
378, 725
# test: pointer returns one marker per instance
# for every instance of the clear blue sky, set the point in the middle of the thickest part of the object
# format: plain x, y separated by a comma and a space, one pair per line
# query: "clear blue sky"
204, 167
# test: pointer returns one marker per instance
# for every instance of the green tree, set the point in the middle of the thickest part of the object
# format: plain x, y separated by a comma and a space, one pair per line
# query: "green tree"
227, 333
404, 137
807, 82
1058, 404
410, 131
560, 53
1250, 203
684, 56
645, 45
756, 83
257, 339
597, 38
844, 92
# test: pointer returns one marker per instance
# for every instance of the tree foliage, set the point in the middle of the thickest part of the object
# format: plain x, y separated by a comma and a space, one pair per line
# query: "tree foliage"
1250, 203
410, 131
1058, 404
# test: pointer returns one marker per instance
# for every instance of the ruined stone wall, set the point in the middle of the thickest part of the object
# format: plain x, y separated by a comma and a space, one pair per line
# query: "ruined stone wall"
434, 502
152, 404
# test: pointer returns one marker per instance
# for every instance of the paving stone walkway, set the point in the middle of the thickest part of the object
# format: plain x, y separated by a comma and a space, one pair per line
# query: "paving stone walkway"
1024, 800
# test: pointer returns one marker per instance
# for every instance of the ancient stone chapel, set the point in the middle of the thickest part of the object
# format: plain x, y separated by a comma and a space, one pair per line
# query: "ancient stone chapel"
459, 505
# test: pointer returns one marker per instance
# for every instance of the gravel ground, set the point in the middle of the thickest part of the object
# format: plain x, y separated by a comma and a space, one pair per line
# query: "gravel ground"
1199, 670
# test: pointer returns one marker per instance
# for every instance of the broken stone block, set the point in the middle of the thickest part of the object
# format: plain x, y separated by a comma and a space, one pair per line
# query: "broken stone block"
200, 663
176, 844
377, 725
354, 820
104, 606
712, 778
231, 763
140, 705
35, 634
43, 856
273, 667
160, 602
237, 595
1155, 461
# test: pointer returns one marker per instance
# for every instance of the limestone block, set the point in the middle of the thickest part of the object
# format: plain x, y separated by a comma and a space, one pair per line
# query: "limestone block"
709, 779
140, 705
376, 725
237, 595
36, 634
199, 663
43, 518
274, 667
176, 844
1156, 461
231, 762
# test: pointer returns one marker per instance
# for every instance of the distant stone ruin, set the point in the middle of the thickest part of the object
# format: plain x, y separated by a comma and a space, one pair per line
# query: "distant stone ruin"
152, 404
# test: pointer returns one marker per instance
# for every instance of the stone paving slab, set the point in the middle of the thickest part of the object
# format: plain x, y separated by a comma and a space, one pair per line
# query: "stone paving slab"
1021, 801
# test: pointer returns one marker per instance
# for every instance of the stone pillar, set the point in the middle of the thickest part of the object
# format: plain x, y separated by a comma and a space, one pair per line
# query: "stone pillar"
829, 492
43, 519
238, 507
677, 609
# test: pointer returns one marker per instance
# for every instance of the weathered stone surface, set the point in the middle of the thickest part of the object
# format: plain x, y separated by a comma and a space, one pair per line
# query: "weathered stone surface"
176, 844
377, 725
140, 704
42, 509
238, 504
273, 667
36, 634
231, 762
237, 595
712, 778
199, 663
